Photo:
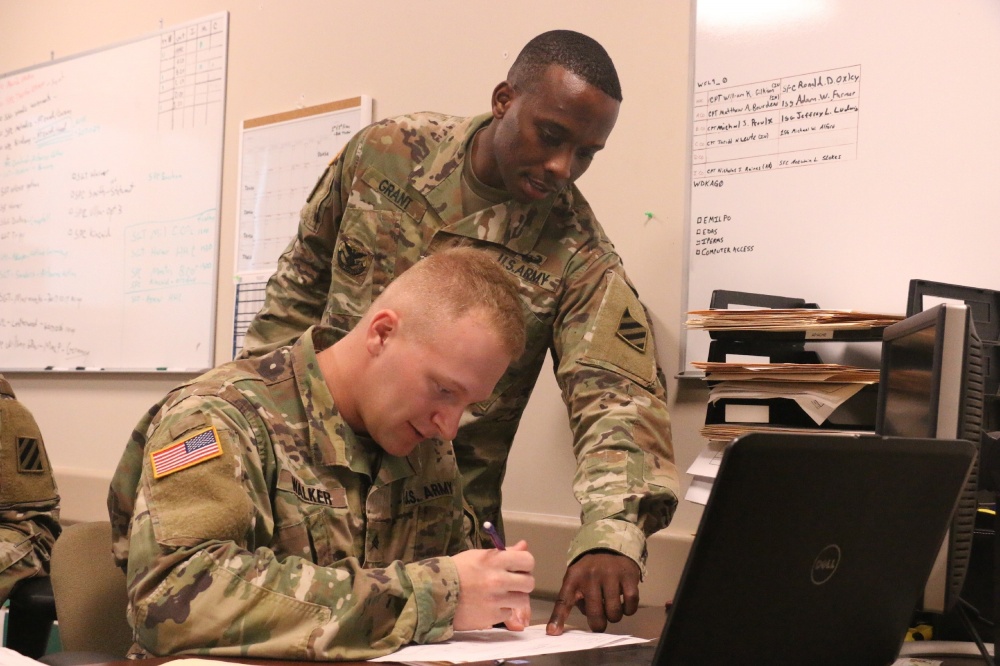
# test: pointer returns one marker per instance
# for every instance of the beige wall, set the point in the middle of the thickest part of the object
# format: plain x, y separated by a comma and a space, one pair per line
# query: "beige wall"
437, 55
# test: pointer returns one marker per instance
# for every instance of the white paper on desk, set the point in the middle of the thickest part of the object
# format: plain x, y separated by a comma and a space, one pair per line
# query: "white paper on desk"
9, 657
202, 661
466, 646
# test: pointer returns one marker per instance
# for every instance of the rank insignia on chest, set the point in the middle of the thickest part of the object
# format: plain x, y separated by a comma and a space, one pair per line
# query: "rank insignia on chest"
197, 448
632, 331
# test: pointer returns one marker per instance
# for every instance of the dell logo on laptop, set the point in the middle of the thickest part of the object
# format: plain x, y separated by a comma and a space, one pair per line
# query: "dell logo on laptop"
825, 564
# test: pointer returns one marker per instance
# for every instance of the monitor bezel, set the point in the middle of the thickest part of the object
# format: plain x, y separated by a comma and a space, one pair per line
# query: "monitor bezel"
954, 336
951, 323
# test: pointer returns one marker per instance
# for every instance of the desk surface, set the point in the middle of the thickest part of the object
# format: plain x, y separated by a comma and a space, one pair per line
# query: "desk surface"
646, 623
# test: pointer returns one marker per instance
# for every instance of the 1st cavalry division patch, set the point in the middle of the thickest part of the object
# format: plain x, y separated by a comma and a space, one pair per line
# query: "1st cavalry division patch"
197, 448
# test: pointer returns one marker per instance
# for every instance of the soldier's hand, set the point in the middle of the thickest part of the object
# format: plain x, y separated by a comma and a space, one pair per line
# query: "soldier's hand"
493, 587
604, 585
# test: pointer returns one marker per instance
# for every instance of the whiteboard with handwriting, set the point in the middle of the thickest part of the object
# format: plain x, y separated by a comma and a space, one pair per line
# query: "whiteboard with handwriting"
841, 149
110, 185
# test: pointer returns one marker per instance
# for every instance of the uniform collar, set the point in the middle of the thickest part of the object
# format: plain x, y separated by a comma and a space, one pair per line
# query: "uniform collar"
512, 224
331, 440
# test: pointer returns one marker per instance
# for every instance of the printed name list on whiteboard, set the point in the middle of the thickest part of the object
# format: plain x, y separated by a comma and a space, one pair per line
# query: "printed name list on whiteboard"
110, 175
281, 158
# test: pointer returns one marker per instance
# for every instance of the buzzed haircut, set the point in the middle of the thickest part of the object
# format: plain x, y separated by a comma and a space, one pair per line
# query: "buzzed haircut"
447, 285
575, 52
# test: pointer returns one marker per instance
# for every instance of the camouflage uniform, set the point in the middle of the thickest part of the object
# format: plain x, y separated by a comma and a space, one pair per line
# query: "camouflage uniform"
29, 500
295, 537
395, 194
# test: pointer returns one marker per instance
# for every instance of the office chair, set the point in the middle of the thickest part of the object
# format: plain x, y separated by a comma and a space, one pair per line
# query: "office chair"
90, 597
30, 616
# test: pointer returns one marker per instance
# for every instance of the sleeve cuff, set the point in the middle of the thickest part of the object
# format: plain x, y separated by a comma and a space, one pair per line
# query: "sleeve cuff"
610, 534
435, 590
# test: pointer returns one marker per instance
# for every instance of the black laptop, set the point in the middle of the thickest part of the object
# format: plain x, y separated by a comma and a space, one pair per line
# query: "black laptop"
814, 549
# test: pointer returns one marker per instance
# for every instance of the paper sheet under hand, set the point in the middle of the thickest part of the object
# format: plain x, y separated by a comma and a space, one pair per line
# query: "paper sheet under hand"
466, 646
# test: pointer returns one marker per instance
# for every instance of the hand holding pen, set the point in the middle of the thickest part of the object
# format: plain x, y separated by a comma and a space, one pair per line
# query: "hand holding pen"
494, 585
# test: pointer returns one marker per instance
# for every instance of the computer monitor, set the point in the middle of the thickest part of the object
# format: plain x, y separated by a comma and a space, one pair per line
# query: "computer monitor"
931, 385
984, 305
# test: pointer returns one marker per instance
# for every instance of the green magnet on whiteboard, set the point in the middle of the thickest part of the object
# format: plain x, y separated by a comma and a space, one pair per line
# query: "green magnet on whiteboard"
649, 216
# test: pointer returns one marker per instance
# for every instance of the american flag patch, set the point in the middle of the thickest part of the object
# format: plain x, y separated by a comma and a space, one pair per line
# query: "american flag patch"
199, 447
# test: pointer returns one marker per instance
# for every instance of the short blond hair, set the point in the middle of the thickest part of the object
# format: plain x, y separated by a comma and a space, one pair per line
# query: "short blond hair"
456, 282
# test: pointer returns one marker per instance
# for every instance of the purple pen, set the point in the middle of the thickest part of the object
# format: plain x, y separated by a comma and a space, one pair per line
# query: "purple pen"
492, 531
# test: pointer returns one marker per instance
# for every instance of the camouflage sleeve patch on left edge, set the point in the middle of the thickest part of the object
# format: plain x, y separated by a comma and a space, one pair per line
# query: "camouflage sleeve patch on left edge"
620, 339
25, 472
202, 499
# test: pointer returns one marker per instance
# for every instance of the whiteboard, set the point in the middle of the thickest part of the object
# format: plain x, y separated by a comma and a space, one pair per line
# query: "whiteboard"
110, 185
841, 148
281, 158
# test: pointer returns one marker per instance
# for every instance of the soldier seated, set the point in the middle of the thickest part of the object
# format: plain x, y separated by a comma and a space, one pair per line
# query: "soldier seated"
29, 500
307, 504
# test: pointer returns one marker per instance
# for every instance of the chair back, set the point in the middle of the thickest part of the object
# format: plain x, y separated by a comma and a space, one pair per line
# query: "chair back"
90, 592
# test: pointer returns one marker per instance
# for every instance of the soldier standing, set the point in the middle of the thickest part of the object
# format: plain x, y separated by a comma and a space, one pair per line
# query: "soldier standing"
411, 186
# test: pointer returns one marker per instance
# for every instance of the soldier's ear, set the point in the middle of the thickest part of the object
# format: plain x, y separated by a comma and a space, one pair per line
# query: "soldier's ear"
383, 325
503, 95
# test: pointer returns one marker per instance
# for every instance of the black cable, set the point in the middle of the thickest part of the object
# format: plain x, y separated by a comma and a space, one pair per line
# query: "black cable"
979, 616
971, 628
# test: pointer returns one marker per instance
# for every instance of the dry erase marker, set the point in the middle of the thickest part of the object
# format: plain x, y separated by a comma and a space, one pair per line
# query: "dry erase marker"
492, 531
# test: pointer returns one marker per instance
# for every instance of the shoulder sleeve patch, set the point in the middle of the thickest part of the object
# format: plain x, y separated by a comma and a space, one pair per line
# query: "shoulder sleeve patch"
207, 500
198, 447
25, 472
620, 339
